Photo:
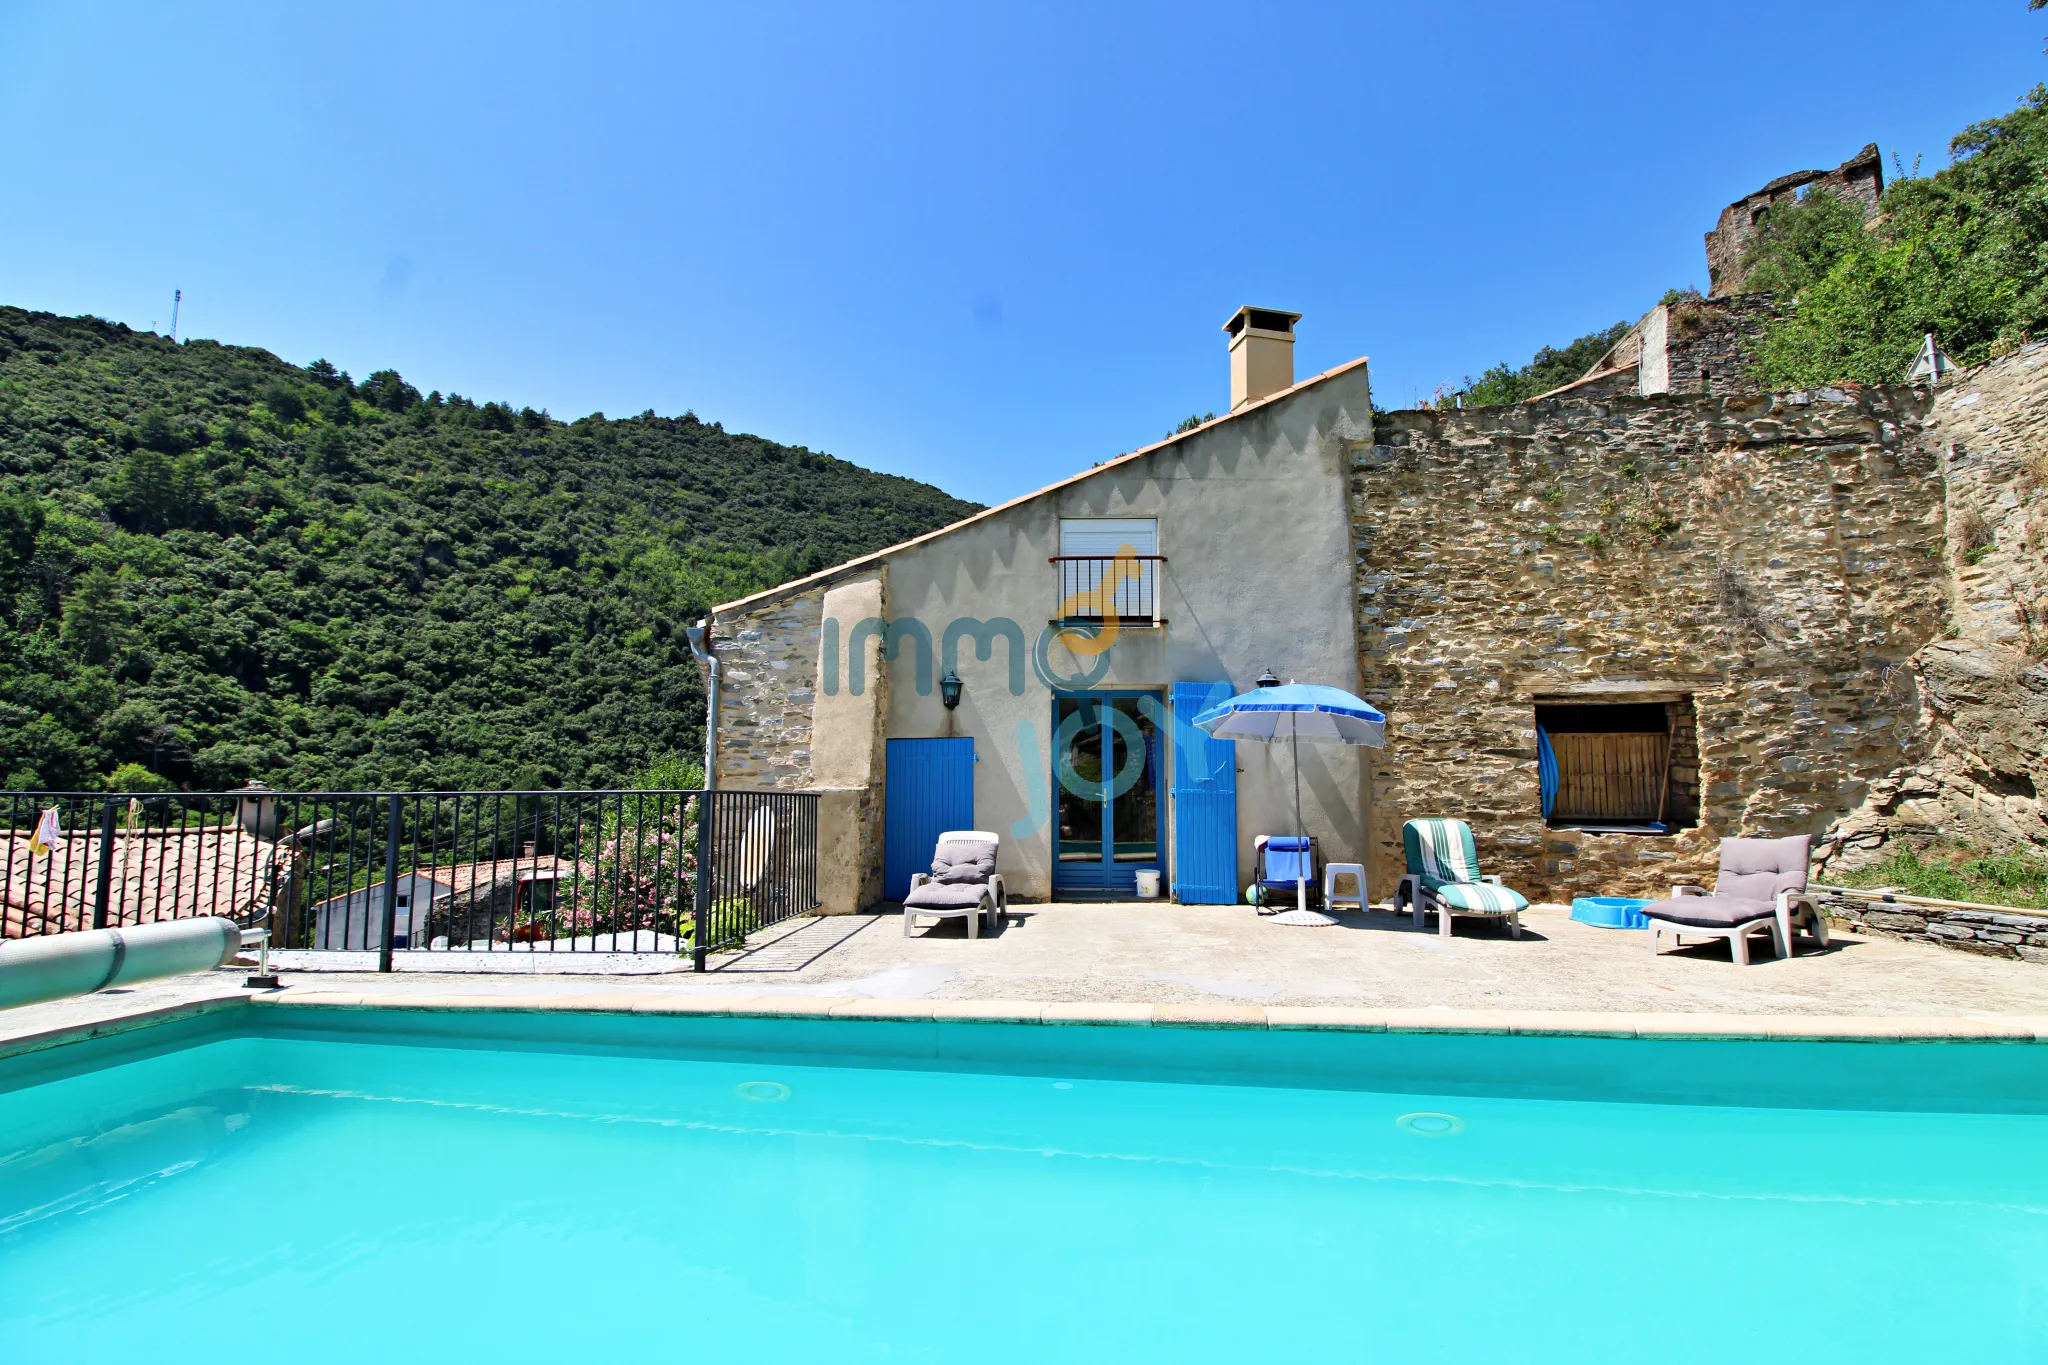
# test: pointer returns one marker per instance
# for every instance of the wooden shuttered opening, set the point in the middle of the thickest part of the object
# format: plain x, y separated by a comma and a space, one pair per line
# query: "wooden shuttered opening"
1613, 761
1610, 777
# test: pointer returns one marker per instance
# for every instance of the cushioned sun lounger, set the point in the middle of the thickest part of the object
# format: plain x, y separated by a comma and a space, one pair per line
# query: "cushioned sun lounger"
1443, 878
963, 883
1761, 889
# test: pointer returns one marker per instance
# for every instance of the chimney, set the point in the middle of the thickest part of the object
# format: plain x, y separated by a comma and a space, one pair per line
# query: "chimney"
1261, 353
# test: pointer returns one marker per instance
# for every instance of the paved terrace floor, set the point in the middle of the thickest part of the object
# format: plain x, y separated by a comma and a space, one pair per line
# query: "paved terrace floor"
1172, 955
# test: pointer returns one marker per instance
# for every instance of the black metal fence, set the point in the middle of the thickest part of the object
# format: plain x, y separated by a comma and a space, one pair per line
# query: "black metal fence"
481, 872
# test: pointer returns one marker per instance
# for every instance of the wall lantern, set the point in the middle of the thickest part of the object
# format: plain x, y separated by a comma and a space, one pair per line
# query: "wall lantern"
256, 810
949, 689
1266, 679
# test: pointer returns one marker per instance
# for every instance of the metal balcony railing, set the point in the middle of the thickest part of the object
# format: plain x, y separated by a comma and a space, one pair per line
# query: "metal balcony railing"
1101, 587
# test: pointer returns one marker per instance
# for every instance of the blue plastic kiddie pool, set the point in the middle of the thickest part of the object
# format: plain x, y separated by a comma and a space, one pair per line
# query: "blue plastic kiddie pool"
1611, 912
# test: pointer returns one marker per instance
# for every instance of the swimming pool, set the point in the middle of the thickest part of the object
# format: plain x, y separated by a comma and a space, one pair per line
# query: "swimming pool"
335, 1185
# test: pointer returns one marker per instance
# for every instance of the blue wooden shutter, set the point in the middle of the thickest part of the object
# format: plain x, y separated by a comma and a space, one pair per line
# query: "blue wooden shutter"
929, 788
1204, 801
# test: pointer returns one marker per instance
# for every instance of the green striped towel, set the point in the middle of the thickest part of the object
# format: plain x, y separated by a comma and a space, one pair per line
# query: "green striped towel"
1443, 855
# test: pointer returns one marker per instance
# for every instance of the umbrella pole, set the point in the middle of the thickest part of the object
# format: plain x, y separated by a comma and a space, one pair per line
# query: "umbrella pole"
1300, 883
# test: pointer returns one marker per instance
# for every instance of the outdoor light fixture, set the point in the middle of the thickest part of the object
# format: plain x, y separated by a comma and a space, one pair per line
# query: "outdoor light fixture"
1267, 679
949, 689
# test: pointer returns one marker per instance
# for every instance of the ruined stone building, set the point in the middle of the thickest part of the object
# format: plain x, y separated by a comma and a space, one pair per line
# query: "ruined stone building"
1727, 612
1859, 180
1690, 344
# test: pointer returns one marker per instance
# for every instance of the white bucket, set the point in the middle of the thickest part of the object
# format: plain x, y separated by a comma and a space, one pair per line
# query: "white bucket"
1148, 886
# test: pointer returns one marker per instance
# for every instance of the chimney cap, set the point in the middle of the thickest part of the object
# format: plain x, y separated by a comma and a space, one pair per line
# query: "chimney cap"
1262, 320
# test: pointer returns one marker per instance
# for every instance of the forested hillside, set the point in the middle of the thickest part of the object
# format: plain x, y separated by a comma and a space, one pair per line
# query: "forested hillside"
215, 566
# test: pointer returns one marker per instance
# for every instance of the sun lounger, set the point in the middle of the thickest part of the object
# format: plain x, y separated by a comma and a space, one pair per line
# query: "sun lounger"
1443, 878
1761, 889
963, 883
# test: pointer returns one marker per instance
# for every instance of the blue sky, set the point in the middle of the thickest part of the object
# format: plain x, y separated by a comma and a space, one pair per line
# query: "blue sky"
974, 244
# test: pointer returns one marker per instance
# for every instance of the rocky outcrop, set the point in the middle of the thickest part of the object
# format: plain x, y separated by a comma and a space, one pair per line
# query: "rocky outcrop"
1983, 775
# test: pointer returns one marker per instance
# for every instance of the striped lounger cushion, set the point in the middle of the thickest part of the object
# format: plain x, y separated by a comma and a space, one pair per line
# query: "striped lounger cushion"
1450, 869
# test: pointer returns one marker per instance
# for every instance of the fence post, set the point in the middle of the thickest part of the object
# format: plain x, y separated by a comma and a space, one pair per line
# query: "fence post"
706, 866
390, 886
103, 892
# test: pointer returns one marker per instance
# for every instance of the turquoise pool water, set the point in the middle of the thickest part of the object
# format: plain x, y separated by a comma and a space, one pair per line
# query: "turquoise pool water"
348, 1197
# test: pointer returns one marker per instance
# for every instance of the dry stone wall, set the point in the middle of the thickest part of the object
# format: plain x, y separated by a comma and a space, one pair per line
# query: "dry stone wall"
769, 654
1710, 344
1767, 556
1985, 683
1858, 181
1988, 933
768, 661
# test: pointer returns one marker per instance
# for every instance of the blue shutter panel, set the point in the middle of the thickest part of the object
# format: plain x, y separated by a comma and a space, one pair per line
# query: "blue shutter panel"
1204, 801
928, 788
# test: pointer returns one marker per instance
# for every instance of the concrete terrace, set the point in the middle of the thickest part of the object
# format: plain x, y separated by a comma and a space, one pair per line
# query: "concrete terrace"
1219, 965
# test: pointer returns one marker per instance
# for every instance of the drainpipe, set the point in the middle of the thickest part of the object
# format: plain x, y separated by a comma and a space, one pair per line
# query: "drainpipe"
700, 645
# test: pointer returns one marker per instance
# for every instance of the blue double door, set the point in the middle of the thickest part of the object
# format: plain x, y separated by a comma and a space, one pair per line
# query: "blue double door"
1110, 786
1108, 808
1110, 783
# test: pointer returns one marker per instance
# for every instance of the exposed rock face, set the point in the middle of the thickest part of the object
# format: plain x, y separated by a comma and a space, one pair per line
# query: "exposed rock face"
1766, 558
1985, 689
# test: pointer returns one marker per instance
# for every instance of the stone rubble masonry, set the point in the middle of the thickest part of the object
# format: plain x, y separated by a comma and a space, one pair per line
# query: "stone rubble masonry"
1685, 346
769, 661
1859, 180
1710, 344
1765, 556
1986, 932
1984, 686
1682, 787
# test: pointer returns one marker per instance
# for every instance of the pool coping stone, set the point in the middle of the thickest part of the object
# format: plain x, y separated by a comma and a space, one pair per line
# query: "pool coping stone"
1347, 1019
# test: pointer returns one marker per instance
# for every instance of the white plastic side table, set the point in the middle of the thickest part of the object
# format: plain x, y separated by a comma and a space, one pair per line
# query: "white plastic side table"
1355, 871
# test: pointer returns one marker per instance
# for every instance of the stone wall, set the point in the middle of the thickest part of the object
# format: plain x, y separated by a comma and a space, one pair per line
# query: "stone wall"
1767, 557
1682, 787
1710, 344
1985, 932
768, 662
769, 653
1985, 684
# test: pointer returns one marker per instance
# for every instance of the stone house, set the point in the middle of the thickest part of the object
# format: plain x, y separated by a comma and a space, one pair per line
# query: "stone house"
1033, 669
1701, 609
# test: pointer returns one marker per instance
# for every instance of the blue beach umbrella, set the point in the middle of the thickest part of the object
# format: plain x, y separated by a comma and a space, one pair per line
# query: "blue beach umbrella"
1294, 712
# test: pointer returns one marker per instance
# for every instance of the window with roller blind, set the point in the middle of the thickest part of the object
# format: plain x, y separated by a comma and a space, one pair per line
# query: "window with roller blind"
1108, 565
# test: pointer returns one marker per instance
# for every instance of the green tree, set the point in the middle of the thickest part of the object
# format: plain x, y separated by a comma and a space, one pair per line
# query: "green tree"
339, 408
95, 617
1552, 367
1799, 243
284, 402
